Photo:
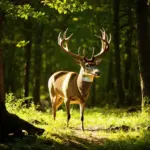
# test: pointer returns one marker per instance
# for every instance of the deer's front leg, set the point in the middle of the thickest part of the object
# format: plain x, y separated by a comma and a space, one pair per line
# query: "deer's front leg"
67, 103
82, 105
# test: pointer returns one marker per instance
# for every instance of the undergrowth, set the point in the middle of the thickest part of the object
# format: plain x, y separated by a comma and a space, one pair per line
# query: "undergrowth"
106, 129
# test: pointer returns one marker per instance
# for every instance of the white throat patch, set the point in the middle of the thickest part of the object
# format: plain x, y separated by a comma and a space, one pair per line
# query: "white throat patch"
87, 78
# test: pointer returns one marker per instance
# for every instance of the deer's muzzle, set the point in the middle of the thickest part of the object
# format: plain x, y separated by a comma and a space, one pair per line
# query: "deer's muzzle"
97, 73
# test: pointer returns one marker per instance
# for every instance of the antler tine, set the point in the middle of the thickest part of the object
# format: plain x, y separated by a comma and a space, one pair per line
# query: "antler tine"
69, 36
98, 36
109, 38
79, 50
83, 52
93, 52
102, 34
105, 43
64, 35
65, 32
59, 38
102, 30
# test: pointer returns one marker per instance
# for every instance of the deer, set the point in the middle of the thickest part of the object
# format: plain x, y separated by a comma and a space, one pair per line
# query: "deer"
71, 87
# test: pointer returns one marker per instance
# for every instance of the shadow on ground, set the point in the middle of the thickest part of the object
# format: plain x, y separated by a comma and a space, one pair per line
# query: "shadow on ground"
78, 142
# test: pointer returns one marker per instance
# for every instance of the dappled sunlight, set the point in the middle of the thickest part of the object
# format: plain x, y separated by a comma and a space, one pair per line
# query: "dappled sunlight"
92, 54
103, 128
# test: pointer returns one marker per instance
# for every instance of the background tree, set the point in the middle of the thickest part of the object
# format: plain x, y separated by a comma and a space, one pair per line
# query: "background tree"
17, 124
116, 37
143, 48
27, 49
37, 63
2, 93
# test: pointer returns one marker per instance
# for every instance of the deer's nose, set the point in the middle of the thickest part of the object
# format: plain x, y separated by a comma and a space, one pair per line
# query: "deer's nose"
97, 73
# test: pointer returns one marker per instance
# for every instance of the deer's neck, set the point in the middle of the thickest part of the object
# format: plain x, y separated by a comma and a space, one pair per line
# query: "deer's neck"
84, 82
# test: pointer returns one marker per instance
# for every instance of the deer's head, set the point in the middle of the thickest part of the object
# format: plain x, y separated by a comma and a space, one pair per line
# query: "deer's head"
88, 66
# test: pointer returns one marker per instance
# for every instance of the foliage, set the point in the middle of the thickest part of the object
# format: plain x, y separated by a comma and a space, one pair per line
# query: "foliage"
14, 103
33, 27
22, 43
67, 6
29, 34
145, 104
20, 11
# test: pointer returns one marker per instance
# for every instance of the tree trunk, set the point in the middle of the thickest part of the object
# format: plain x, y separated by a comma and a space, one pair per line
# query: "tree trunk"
28, 37
143, 48
110, 87
37, 64
10, 123
93, 96
2, 93
119, 87
128, 49
10, 68
110, 75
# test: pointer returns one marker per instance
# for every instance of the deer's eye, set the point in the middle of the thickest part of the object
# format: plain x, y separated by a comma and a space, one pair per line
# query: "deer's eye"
87, 65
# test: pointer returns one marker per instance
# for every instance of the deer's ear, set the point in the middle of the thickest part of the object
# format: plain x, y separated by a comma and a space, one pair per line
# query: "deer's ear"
98, 61
80, 62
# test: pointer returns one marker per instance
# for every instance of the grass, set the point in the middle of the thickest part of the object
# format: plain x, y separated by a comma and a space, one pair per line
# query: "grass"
103, 130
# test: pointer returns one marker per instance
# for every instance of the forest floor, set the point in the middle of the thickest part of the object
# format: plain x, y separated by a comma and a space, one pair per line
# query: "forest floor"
106, 129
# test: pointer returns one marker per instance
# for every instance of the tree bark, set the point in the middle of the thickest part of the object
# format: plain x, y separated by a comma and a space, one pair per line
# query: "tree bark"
2, 93
93, 96
28, 37
128, 49
119, 86
37, 64
110, 74
143, 48
10, 123
14, 125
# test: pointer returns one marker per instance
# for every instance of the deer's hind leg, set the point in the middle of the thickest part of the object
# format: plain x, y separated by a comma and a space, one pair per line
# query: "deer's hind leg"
59, 102
82, 106
67, 103
56, 102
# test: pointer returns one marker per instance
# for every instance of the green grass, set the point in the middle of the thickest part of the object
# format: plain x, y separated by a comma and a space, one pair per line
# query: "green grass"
96, 136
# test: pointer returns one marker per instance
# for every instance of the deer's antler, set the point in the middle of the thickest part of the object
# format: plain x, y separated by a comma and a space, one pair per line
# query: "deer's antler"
63, 43
105, 43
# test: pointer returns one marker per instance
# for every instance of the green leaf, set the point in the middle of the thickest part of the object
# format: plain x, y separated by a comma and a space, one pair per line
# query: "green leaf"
74, 5
22, 43
65, 12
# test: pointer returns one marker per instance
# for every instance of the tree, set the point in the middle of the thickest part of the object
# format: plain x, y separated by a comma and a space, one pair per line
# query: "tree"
116, 37
2, 106
37, 63
32, 28
28, 38
10, 123
143, 48
129, 28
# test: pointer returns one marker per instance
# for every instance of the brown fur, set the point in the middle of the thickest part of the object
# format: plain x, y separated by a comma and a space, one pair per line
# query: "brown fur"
70, 88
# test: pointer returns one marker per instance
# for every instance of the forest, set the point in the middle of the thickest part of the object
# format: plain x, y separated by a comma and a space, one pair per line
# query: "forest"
30, 53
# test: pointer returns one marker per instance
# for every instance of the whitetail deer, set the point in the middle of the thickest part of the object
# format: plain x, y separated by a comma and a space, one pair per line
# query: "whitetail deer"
73, 88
